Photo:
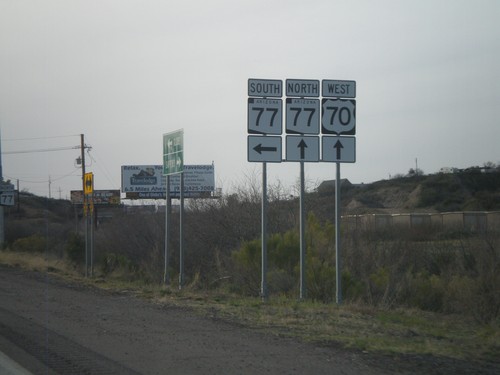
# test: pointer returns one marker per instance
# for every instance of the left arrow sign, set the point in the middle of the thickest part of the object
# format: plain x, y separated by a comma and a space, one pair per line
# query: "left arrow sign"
259, 148
264, 148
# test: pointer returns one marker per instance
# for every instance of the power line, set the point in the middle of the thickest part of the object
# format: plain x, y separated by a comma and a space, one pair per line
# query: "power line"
41, 150
43, 181
38, 138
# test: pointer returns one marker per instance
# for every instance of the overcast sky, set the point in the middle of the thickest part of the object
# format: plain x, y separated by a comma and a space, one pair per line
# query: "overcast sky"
125, 72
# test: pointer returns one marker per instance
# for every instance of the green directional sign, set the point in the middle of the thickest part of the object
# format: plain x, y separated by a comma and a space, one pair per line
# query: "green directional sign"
173, 152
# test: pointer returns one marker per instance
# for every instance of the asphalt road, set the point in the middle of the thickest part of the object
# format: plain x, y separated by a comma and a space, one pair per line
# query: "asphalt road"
49, 326
52, 327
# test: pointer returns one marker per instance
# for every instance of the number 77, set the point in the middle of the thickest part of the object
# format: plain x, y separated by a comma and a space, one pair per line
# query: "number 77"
261, 111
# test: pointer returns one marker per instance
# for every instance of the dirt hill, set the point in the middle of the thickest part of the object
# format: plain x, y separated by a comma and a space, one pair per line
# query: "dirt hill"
470, 190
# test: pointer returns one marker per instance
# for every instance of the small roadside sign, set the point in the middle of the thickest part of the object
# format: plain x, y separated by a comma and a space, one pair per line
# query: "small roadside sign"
6, 186
264, 149
300, 148
88, 183
173, 152
7, 198
265, 88
338, 89
302, 88
339, 149
302, 116
265, 116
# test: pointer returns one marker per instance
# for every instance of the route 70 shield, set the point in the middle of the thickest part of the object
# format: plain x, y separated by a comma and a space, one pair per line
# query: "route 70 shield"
338, 116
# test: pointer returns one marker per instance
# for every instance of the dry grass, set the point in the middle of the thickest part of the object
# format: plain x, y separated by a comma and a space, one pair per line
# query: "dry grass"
355, 326
38, 262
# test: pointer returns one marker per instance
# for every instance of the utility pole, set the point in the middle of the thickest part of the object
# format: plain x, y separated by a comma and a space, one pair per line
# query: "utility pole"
82, 147
2, 223
84, 208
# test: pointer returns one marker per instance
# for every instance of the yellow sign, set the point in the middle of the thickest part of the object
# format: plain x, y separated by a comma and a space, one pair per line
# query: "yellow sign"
88, 185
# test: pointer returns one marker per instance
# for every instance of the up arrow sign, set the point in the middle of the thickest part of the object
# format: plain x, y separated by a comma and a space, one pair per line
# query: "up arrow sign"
302, 148
338, 146
302, 145
339, 149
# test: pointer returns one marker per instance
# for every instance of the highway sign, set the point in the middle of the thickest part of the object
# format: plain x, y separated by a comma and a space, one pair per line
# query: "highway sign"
300, 148
302, 87
7, 198
264, 149
173, 152
338, 89
338, 116
88, 183
6, 186
339, 149
265, 88
302, 116
265, 116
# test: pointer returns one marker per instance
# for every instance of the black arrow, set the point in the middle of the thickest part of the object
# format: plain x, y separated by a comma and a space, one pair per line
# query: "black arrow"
338, 146
302, 145
259, 148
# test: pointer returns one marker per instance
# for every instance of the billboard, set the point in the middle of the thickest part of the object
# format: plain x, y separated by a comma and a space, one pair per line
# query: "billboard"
148, 182
99, 197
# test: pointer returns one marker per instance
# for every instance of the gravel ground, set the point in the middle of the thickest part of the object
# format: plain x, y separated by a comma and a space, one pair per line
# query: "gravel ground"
50, 326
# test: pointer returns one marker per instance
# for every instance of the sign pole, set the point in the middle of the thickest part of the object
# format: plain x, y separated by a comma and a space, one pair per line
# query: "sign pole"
181, 233
302, 235
86, 238
91, 237
168, 208
338, 265
2, 221
263, 289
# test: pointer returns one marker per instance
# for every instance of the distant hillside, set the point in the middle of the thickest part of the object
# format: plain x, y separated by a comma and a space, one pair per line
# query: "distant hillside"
470, 190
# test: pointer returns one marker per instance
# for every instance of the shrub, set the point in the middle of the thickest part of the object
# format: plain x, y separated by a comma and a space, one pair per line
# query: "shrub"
75, 248
34, 243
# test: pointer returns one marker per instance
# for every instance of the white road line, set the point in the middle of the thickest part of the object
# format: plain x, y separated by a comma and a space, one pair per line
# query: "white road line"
10, 367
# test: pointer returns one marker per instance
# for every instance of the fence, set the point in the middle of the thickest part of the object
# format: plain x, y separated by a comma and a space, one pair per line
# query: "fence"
469, 221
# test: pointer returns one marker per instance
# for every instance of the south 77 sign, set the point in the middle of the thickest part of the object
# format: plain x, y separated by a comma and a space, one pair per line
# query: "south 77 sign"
265, 116
338, 116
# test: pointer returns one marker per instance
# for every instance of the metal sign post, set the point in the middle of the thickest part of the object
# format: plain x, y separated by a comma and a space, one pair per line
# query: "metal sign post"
181, 234
338, 264
88, 189
173, 163
338, 118
302, 235
263, 284
168, 208
264, 116
302, 119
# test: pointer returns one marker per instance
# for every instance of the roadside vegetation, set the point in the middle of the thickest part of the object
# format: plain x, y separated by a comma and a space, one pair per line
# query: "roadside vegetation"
422, 290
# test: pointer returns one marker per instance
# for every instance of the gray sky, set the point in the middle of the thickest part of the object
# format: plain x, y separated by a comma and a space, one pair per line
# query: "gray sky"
125, 72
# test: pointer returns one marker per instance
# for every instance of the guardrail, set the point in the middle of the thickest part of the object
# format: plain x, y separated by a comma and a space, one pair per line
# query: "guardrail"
470, 221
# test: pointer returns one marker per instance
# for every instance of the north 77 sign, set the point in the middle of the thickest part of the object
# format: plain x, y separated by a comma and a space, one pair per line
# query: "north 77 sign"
302, 116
